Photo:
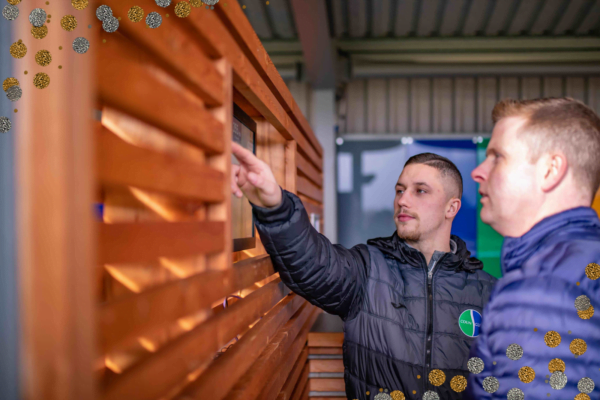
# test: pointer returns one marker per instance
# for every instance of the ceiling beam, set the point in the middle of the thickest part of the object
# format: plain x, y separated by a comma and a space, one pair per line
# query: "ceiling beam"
313, 30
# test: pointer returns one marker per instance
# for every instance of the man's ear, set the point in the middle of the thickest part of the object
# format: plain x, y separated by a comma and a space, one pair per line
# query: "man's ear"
453, 207
553, 168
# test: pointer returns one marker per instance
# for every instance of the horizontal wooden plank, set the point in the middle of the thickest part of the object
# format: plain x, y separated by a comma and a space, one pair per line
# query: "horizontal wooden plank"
311, 206
325, 350
326, 365
129, 80
121, 163
299, 387
292, 334
297, 377
224, 372
254, 50
327, 385
325, 339
291, 365
213, 34
132, 315
153, 376
175, 50
309, 170
138, 242
309, 189
327, 398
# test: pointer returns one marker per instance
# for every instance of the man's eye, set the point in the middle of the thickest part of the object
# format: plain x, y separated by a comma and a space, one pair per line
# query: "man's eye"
398, 191
421, 190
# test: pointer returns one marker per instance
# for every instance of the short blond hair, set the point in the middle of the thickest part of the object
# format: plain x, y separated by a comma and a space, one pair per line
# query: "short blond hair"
562, 124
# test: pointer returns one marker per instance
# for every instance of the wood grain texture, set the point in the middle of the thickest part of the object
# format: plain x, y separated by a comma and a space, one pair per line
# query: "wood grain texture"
309, 189
298, 376
325, 339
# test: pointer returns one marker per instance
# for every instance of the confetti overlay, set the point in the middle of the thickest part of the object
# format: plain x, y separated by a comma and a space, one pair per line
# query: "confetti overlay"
431, 395
68, 23
10, 12
475, 365
14, 93
9, 82
558, 380
18, 49
582, 303
79, 4
4, 125
526, 374
515, 394
196, 3
490, 384
39, 32
110, 25
582, 396
587, 314
578, 347
556, 365
135, 14
153, 20
210, 2
37, 17
585, 385
437, 377
41, 80
592, 271
43, 58
81, 45
163, 3
183, 9
458, 383
552, 339
14, 2
397, 395
514, 352
382, 396
103, 12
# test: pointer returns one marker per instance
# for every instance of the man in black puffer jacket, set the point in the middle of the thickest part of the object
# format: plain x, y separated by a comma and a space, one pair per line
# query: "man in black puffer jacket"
411, 303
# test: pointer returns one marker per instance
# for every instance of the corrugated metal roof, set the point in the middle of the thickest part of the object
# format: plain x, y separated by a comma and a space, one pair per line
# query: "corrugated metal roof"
363, 19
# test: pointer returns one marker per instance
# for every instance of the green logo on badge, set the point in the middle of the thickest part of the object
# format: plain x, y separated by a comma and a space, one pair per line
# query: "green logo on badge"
470, 323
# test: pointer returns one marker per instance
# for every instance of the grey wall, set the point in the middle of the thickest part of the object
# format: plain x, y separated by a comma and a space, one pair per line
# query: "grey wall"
8, 282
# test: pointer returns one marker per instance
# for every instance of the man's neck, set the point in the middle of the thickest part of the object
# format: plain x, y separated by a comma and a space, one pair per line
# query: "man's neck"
429, 246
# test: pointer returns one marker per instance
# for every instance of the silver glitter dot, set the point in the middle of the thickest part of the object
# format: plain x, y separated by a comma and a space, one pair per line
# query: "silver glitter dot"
585, 385
515, 394
153, 20
582, 303
81, 45
103, 12
10, 12
210, 2
475, 365
514, 352
4, 125
383, 396
110, 25
14, 93
558, 380
163, 3
37, 17
490, 384
431, 395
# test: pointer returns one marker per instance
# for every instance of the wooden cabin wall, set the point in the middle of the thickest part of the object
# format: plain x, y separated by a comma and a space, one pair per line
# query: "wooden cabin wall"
149, 301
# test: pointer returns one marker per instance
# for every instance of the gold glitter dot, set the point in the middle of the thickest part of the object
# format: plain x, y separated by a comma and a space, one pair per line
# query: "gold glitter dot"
552, 339
244, 7
437, 377
535, 329
380, 390
47, 3
582, 396
60, 67
569, 332
39, 32
43, 58
556, 365
418, 376
414, 391
103, 40
526, 374
196, 3
267, 3
60, 47
41, 80
592, 271
79, 4
49, 16
546, 381
9, 82
16, 110
458, 383
577, 283
397, 395
167, 17
578, 347
135, 14
25, 72
69, 23
18, 49
183, 9
494, 363
368, 393
14, 2
587, 314
48, 21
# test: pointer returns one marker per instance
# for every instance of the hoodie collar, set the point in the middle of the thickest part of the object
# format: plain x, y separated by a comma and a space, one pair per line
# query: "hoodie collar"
516, 250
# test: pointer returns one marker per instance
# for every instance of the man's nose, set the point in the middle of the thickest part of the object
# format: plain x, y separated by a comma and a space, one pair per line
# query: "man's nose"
478, 174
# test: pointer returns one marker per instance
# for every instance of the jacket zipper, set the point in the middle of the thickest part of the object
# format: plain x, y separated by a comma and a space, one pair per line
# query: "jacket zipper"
428, 343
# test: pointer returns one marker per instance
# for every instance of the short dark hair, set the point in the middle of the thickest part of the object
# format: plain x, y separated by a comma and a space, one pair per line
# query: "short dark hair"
446, 167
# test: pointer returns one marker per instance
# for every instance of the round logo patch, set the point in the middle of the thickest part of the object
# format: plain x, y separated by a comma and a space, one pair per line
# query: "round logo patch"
470, 323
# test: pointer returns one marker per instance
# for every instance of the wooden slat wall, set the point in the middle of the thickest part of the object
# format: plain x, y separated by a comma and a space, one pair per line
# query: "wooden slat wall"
326, 366
151, 302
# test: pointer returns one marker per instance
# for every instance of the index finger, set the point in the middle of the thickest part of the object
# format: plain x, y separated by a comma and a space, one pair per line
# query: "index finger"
243, 155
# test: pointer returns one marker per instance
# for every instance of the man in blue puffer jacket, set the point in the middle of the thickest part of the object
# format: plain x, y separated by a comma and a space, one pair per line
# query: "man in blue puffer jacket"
541, 337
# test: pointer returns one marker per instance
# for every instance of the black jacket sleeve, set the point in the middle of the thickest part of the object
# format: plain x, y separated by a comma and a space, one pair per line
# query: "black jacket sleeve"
329, 276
